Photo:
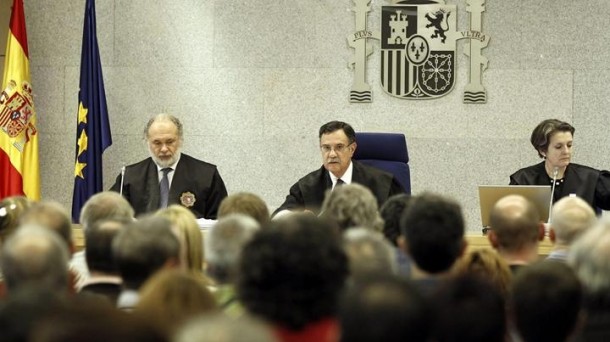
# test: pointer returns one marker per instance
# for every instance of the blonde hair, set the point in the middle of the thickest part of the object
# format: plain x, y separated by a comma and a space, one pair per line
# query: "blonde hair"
172, 297
185, 222
488, 264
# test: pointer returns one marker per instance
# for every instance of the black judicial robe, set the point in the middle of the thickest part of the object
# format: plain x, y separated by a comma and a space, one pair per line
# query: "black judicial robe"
308, 193
590, 184
196, 185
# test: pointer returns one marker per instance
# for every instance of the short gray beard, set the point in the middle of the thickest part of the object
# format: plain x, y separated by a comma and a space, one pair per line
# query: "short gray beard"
165, 163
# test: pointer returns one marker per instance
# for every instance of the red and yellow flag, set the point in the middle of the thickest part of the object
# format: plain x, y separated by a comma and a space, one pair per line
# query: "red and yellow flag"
19, 170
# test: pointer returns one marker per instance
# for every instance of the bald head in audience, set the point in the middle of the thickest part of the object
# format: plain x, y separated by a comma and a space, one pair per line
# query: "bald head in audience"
516, 230
35, 256
571, 217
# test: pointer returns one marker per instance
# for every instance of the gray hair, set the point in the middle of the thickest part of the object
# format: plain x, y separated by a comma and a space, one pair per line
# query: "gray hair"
352, 205
571, 217
164, 117
590, 258
369, 253
224, 243
103, 206
221, 328
37, 256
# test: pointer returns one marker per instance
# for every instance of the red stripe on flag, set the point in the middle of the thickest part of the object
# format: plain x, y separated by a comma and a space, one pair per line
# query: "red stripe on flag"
12, 183
17, 26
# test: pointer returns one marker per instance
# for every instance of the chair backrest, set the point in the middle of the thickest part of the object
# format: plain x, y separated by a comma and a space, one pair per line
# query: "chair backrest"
386, 151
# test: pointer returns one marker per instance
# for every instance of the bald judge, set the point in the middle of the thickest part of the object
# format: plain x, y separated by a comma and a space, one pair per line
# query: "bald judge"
169, 176
337, 146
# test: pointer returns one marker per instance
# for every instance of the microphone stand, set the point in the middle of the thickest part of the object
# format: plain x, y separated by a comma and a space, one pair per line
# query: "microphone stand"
122, 179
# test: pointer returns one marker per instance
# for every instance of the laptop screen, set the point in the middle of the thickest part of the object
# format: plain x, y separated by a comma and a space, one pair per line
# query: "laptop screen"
539, 195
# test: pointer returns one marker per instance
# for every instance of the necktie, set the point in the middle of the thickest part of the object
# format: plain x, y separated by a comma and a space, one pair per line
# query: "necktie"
164, 188
339, 182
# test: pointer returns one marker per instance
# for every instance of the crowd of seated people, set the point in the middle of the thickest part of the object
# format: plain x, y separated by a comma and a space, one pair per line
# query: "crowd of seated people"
355, 272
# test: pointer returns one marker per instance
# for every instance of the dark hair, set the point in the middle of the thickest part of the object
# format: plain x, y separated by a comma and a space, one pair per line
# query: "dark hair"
142, 248
469, 308
541, 136
292, 272
337, 125
391, 212
546, 301
434, 230
98, 239
387, 308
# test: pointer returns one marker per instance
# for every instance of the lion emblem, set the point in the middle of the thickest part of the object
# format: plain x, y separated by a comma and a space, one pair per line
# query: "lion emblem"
436, 21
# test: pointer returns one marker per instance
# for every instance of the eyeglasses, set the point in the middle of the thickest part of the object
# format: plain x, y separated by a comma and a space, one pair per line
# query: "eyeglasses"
340, 148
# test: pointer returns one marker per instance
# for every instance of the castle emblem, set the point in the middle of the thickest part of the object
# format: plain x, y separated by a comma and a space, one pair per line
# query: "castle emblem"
418, 43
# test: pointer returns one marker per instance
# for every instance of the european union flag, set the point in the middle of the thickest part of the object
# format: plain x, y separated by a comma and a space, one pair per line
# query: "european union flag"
92, 128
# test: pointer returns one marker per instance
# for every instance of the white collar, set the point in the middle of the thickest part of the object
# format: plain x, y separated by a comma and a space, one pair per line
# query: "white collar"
347, 176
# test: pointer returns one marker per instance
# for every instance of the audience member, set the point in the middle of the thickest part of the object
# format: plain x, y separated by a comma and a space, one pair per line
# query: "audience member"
516, 230
225, 243
384, 308
337, 145
469, 308
546, 302
352, 205
35, 256
169, 176
487, 264
589, 256
102, 206
245, 203
220, 328
104, 279
140, 249
571, 216
11, 209
172, 297
291, 274
369, 254
391, 212
433, 236
189, 235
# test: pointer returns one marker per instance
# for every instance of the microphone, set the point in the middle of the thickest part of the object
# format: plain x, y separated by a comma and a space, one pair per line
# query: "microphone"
555, 172
122, 179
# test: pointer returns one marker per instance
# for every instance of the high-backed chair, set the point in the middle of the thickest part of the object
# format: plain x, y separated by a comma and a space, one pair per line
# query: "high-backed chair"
386, 151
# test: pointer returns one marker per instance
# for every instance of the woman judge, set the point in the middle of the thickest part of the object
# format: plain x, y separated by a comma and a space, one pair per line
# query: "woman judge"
552, 139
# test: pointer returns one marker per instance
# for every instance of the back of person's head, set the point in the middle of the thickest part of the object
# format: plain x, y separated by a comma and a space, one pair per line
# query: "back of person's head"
433, 228
485, 263
35, 255
245, 203
103, 206
571, 217
292, 272
469, 308
221, 328
391, 213
515, 223
352, 205
189, 235
546, 301
589, 256
225, 242
369, 253
98, 239
143, 247
384, 308
11, 209
86, 319
51, 215
171, 297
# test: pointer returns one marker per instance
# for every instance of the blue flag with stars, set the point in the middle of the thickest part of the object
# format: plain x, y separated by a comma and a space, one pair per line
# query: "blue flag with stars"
92, 127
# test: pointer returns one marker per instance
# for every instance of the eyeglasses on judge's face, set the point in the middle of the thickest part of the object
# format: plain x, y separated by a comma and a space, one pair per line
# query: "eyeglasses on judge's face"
339, 148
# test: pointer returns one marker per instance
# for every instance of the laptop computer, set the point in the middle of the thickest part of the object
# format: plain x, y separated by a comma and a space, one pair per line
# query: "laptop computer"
539, 195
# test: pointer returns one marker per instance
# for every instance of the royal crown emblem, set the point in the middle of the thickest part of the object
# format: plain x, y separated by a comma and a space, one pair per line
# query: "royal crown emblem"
16, 112
418, 43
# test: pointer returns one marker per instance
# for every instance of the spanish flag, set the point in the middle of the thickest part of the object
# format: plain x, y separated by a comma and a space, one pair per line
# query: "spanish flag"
19, 170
